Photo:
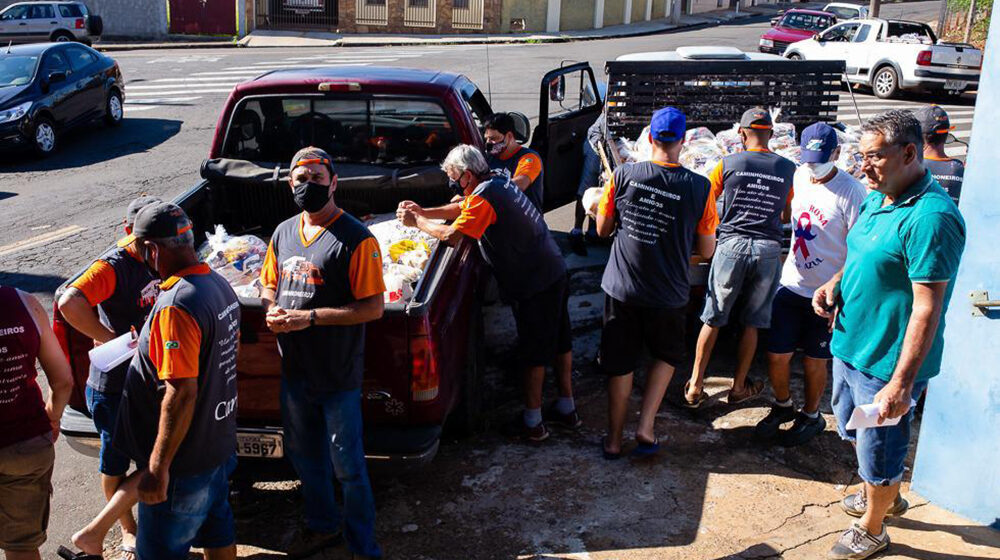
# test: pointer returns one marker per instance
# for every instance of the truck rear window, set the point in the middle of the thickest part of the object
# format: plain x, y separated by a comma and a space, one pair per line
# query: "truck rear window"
391, 131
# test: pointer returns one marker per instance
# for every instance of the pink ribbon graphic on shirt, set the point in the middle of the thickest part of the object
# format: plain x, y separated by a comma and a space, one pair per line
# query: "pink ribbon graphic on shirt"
803, 233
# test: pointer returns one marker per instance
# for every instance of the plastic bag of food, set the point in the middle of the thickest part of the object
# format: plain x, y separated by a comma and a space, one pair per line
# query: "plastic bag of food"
251, 290
701, 157
699, 134
642, 148
591, 200
793, 153
729, 140
850, 160
416, 258
399, 281
238, 258
403, 246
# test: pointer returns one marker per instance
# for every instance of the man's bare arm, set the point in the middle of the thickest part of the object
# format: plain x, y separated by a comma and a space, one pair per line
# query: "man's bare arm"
77, 311
176, 412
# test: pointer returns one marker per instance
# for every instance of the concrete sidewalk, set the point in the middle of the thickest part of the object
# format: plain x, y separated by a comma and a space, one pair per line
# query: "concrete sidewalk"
269, 38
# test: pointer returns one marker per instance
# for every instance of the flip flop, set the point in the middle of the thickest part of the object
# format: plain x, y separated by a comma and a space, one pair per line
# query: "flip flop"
128, 552
646, 449
751, 389
696, 403
68, 554
609, 456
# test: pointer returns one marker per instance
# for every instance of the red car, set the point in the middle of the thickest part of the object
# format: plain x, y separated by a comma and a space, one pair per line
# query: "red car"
794, 26
389, 129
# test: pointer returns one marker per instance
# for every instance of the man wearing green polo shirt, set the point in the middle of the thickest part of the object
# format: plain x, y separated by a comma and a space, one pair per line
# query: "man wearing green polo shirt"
887, 307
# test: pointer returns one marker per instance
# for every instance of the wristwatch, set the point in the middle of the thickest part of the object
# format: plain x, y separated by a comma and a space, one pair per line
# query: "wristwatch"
312, 317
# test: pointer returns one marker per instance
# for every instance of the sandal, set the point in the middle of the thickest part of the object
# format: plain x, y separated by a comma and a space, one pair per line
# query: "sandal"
646, 449
751, 389
68, 554
608, 455
697, 401
127, 552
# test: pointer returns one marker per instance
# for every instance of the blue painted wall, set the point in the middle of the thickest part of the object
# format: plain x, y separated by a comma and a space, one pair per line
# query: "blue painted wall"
958, 455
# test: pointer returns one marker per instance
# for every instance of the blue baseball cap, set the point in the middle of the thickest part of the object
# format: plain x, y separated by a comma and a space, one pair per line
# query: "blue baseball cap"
818, 143
668, 125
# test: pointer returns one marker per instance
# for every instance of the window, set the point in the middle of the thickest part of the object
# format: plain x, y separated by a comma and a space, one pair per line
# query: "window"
840, 33
54, 62
461, 4
417, 3
843, 13
862, 35
70, 11
809, 22
16, 12
42, 11
911, 32
80, 58
16, 70
578, 93
373, 131
374, 2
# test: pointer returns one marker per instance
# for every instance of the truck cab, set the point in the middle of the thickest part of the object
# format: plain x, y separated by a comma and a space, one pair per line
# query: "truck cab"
388, 129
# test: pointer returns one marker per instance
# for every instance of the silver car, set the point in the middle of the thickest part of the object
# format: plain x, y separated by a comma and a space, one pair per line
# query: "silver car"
41, 22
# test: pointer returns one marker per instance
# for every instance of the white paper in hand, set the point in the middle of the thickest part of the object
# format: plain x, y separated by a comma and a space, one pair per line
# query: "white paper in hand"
866, 416
113, 353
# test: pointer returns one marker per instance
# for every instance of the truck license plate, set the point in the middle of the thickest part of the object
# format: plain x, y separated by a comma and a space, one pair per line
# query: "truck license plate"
267, 446
955, 85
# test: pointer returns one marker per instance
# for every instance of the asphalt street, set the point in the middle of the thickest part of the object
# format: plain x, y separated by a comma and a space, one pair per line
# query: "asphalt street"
58, 213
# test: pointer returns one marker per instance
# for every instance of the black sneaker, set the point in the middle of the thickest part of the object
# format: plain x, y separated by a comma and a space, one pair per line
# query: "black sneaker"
309, 542
769, 426
577, 244
569, 421
803, 430
517, 429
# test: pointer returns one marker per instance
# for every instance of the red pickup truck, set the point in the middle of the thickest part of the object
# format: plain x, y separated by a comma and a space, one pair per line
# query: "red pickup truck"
388, 130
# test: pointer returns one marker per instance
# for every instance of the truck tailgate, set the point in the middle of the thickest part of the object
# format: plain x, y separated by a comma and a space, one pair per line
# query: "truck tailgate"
957, 57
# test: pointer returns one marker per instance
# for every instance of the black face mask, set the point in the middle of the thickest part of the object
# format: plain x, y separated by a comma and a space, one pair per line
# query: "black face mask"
311, 197
495, 148
456, 187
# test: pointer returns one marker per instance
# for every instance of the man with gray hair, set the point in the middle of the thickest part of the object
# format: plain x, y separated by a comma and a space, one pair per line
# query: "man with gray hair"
530, 272
886, 309
178, 409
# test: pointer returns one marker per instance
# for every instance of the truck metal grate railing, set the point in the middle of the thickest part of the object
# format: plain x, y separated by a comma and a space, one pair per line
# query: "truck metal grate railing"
715, 93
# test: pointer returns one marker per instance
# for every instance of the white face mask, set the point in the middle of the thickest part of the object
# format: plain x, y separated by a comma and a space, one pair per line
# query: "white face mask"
820, 170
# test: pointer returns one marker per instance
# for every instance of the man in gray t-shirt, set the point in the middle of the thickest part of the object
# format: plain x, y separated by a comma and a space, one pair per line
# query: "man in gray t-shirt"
755, 187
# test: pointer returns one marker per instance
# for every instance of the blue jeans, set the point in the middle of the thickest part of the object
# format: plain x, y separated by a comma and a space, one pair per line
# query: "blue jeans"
881, 451
104, 411
196, 514
743, 267
323, 438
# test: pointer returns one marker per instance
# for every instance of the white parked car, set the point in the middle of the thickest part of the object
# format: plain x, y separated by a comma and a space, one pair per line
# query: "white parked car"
42, 22
893, 55
845, 11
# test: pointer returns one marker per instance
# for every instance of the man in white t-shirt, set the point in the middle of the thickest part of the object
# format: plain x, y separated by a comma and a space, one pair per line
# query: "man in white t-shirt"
824, 207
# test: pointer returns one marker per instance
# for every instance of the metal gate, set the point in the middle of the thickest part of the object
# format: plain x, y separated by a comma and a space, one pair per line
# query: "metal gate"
467, 14
209, 17
372, 12
296, 14
420, 13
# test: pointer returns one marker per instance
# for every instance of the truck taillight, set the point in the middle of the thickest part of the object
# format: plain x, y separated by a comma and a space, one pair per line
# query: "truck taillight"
924, 58
425, 378
81, 23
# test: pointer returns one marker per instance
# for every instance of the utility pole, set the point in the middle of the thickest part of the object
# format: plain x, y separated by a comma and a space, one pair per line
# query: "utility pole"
873, 8
942, 14
969, 20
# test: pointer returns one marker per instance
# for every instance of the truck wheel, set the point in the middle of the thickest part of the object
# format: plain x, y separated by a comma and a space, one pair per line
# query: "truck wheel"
467, 417
885, 83
44, 139
114, 111
795, 56
62, 37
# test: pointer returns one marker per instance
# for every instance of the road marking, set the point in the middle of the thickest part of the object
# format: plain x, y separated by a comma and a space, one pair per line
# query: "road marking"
849, 114
138, 108
279, 66
160, 100
957, 151
175, 86
341, 57
182, 80
32, 242
179, 92
258, 71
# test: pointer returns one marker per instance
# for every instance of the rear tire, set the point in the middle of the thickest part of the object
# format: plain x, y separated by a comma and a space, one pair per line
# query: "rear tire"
44, 138
795, 56
114, 109
885, 83
62, 37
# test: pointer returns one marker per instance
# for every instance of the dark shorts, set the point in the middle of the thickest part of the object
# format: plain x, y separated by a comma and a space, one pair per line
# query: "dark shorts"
196, 514
628, 327
543, 327
25, 487
795, 325
104, 411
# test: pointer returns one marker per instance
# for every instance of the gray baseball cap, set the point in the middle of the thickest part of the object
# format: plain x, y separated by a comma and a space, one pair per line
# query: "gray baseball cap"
161, 220
136, 205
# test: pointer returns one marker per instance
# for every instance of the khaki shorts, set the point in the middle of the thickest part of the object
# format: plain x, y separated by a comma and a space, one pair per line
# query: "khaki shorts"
25, 487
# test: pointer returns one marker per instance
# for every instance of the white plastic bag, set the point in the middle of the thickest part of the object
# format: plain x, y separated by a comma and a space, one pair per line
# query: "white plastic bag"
238, 258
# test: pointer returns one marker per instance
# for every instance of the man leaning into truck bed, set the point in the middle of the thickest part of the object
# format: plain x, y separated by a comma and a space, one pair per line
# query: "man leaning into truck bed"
529, 269
322, 281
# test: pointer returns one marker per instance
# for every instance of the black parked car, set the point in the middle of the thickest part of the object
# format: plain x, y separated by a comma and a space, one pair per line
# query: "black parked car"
50, 87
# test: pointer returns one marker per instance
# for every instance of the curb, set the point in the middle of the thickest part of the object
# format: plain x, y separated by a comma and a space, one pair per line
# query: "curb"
708, 20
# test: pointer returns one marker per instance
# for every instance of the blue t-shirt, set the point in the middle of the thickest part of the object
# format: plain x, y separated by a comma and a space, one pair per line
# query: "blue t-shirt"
919, 238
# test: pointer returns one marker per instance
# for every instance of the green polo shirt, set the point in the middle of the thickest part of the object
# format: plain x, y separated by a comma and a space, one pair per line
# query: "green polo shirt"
919, 238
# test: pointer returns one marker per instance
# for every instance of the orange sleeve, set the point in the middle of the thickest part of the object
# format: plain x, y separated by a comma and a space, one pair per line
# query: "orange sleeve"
366, 270
716, 179
477, 215
97, 283
606, 207
174, 344
269, 272
709, 218
530, 166
791, 194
